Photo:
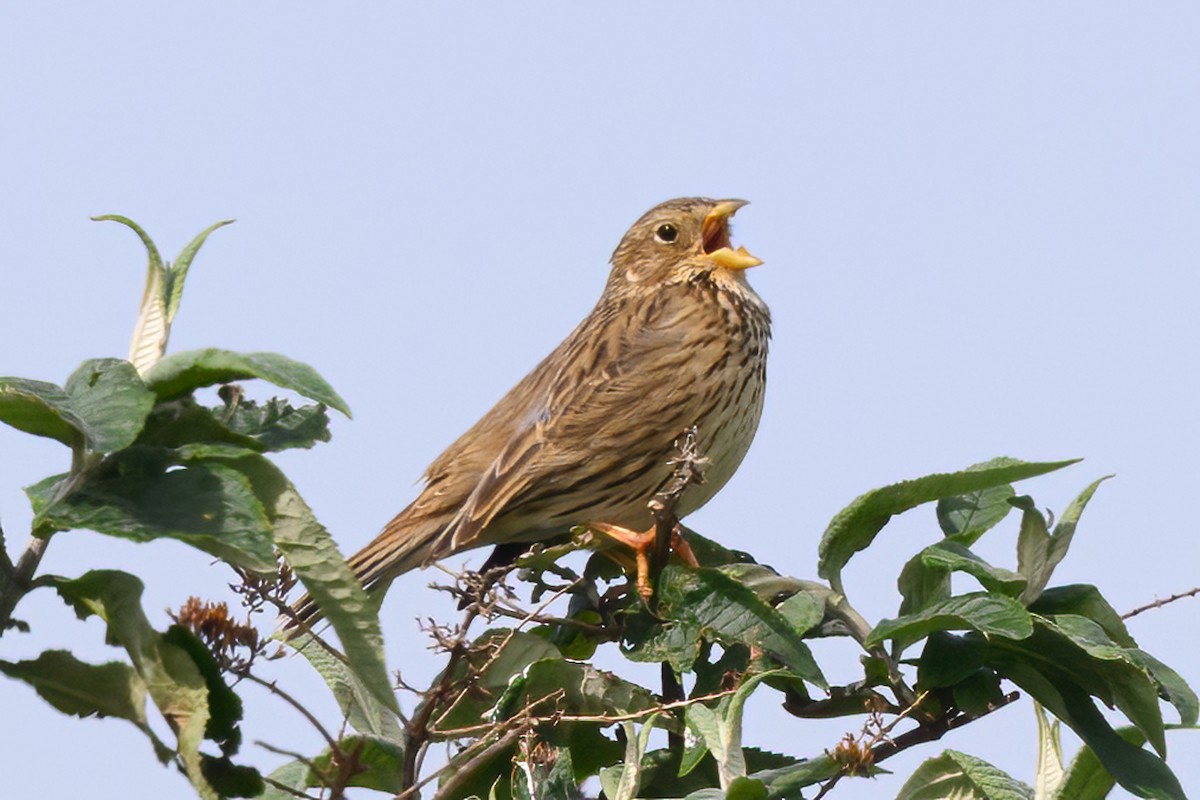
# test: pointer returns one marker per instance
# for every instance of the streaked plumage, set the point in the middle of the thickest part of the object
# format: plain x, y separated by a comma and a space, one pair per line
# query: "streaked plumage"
678, 338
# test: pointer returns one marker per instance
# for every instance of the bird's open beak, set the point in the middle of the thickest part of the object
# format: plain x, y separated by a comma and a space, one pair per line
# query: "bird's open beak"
715, 238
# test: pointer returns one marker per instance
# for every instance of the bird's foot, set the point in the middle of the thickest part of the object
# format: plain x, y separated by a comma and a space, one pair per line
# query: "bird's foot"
642, 543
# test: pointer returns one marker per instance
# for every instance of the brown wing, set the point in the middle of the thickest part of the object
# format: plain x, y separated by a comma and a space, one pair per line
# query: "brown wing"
620, 366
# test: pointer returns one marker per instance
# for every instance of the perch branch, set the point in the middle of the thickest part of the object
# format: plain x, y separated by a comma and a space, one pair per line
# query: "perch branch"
1160, 603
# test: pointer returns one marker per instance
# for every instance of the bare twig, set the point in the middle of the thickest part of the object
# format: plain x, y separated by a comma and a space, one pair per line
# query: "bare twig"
1160, 603
689, 469
283, 787
454, 783
610, 719
935, 731
296, 704
417, 729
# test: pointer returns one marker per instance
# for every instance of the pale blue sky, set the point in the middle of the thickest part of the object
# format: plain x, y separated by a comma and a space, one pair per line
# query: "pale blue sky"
979, 223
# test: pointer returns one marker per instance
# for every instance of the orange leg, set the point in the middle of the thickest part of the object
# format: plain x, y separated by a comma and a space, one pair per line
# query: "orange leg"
642, 543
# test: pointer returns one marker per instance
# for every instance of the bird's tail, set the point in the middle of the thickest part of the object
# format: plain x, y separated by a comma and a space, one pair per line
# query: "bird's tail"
403, 544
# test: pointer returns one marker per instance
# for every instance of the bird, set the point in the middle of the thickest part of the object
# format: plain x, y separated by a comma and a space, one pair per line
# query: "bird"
678, 339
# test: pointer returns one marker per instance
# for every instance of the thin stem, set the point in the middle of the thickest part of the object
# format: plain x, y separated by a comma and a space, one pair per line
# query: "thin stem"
286, 789
860, 629
294, 703
450, 788
21, 579
1160, 603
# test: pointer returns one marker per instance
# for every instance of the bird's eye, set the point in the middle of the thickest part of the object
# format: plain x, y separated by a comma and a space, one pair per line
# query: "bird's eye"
666, 233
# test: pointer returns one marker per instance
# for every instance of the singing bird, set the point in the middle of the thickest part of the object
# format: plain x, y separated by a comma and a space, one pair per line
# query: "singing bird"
677, 339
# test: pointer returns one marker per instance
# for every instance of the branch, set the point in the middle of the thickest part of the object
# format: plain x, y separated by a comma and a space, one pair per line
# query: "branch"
20, 579
7, 571
689, 469
450, 788
1160, 603
294, 703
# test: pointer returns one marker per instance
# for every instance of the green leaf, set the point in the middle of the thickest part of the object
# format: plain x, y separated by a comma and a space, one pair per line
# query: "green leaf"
113, 402
720, 729
276, 425
224, 706
660, 773
711, 553
181, 373
178, 273
1128, 685
103, 406
86, 690
581, 689
380, 762
1045, 669
787, 781
184, 423
359, 706
229, 779
40, 408
706, 602
989, 614
497, 657
1171, 686
156, 263
856, 526
293, 774
1086, 601
978, 692
629, 779
313, 556
1050, 774
142, 496
746, 789
948, 659
1038, 550
962, 777
922, 586
955, 557
966, 517
925, 579
175, 682
1086, 778
545, 775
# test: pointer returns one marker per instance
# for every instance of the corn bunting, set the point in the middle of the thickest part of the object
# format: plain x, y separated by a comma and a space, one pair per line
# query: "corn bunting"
677, 339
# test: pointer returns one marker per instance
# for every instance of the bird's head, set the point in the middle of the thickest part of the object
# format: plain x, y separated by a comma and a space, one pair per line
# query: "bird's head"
679, 239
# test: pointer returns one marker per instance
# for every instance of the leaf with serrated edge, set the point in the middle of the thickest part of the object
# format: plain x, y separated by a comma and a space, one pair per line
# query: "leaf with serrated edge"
1086, 778
989, 614
178, 273
113, 402
313, 556
170, 674
856, 526
359, 706
711, 601
1041, 676
207, 505
962, 777
1050, 774
635, 748
181, 373
74, 687
39, 408
966, 517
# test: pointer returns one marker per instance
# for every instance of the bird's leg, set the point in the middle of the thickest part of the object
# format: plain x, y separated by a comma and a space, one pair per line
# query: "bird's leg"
642, 543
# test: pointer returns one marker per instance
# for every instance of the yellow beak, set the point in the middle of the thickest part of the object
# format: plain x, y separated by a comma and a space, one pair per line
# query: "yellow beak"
715, 235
